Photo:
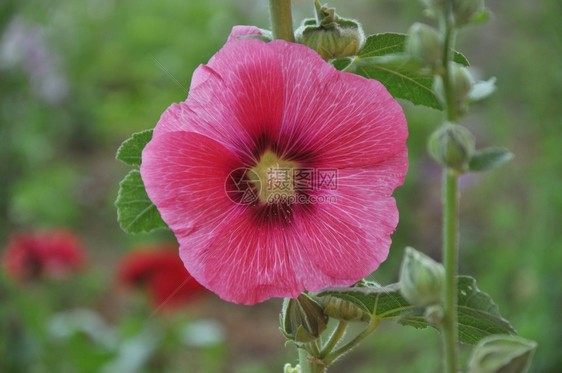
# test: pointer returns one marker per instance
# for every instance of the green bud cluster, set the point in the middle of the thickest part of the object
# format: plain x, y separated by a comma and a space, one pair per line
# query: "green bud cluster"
421, 279
452, 146
330, 35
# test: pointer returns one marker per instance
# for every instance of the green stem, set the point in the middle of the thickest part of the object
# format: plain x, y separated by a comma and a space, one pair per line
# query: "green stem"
308, 365
450, 211
334, 338
281, 19
354, 342
450, 261
448, 45
303, 361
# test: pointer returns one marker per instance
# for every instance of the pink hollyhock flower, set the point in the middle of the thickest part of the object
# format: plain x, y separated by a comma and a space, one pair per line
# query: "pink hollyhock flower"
29, 255
161, 272
276, 173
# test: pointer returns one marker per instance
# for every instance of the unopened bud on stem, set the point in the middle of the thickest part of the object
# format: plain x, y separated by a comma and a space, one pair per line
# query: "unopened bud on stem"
330, 35
421, 279
452, 146
424, 44
302, 319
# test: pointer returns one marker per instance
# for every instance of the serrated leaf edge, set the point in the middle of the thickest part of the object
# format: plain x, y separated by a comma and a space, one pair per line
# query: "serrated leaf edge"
118, 203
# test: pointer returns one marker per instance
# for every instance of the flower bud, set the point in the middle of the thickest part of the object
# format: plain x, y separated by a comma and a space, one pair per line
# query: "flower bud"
302, 319
329, 35
464, 11
461, 83
421, 279
452, 145
340, 309
424, 44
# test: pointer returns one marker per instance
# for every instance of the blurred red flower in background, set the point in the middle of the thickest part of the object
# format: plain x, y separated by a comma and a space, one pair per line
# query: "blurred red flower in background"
160, 271
34, 254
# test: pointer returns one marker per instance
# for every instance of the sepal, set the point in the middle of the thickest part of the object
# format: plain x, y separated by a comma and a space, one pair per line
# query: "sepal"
302, 319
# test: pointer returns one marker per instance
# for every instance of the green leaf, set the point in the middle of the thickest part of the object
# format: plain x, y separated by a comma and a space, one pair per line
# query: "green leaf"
341, 63
459, 58
502, 354
130, 151
383, 44
401, 77
477, 314
489, 159
393, 43
382, 58
135, 211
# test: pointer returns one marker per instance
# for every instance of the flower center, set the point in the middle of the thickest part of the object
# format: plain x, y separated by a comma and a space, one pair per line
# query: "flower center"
273, 177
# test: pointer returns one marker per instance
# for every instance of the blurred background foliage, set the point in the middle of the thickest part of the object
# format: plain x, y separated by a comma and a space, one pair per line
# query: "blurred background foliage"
79, 77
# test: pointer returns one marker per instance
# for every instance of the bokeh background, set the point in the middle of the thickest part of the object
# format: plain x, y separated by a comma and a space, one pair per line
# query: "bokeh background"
79, 77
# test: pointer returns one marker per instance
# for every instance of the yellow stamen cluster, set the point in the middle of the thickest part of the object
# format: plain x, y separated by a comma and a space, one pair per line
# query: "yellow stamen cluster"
273, 178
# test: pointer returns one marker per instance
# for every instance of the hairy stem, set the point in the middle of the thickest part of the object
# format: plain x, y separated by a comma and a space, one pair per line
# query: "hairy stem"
334, 338
303, 361
354, 342
281, 19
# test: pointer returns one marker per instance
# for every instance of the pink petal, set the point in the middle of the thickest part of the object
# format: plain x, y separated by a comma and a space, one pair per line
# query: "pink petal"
240, 260
345, 119
235, 99
245, 260
348, 237
184, 175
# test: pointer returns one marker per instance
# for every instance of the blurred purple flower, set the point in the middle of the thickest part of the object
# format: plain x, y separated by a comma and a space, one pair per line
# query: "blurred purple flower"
23, 44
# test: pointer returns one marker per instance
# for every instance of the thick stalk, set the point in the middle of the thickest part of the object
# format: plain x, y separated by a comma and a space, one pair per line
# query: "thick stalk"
309, 366
450, 261
303, 361
281, 19
450, 211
